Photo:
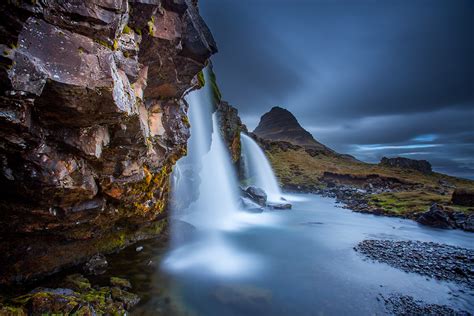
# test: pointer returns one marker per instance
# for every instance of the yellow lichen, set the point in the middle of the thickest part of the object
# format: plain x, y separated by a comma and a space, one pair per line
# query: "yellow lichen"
126, 29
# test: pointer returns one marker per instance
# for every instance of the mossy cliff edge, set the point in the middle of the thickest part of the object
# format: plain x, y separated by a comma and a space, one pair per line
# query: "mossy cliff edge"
92, 121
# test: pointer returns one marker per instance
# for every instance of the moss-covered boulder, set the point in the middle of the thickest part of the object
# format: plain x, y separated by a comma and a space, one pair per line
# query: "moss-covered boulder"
79, 299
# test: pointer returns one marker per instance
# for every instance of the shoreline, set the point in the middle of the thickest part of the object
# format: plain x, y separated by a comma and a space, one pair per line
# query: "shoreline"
358, 200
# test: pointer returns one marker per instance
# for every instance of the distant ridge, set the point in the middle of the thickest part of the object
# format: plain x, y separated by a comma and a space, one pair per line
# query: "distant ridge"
280, 124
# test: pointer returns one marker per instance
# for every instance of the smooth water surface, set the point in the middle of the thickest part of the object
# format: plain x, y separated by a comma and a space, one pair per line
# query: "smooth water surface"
300, 262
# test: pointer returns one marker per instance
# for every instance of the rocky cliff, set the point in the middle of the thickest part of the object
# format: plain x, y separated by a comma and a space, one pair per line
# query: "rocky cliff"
92, 122
231, 127
281, 125
422, 166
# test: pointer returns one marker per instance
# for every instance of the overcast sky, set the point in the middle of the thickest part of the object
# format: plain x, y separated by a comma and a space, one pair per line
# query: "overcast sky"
369, 78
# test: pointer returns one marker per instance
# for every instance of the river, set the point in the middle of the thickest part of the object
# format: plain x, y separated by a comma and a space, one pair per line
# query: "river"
296, 262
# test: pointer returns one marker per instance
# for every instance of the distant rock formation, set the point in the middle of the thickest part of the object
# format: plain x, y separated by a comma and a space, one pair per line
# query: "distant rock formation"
422, 166
281, 125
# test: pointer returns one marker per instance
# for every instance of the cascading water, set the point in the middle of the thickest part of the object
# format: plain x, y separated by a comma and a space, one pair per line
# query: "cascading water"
217, 201
257, 169
206, 177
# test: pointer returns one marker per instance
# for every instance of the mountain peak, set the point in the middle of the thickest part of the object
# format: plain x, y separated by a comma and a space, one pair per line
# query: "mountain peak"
281, 124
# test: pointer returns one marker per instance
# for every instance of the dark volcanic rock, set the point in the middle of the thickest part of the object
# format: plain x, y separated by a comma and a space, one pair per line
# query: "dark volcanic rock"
422, 166
96, 265
407, 305
463, 197
249, 205
231, 126
281, 125
92, 120
279, 206
257, 195
436, 217
443, 262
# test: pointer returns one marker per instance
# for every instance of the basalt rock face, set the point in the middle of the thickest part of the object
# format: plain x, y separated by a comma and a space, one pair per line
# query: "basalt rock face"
231, 127
92, 121
422, 166
281, 125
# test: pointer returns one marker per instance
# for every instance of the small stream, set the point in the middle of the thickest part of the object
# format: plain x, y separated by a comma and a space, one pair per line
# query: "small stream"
300, 262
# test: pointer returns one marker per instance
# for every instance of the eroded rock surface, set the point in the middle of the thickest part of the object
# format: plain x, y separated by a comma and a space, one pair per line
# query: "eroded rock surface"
92, 121
422, 166
231, 126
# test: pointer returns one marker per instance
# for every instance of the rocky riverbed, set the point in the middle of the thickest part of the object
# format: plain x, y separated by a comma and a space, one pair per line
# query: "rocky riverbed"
406, 305
359, 200
439, 261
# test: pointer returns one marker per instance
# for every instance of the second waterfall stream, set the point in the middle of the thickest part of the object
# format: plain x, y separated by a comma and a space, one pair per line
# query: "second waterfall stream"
257, 169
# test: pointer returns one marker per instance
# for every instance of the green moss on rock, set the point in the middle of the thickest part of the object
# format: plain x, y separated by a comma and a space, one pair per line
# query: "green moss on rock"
83, 300
201, 79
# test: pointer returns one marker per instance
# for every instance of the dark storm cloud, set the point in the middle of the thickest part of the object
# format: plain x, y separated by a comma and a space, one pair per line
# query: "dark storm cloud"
254, 59
370, 78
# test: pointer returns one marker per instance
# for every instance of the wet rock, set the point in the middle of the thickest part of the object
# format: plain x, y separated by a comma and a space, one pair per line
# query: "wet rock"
231, 126
406, 305
436, 217
77, 282
250, 206
257, 195
463, 197
468, 225
92, 120
82, 300
439, 261
128, 299
96, 265
121, 283
279, 206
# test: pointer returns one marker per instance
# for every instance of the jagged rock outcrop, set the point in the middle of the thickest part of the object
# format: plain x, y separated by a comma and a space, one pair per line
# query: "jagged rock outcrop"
436, 216
422, 166
92, 121
281, 125
231, 127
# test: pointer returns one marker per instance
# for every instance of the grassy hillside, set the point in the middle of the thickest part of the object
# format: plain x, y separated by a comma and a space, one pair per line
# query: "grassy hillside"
295, 167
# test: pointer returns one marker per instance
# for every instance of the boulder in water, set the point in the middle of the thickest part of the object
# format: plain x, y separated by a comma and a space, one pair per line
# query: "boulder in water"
257, 195
250, 206
436, 216
279, 206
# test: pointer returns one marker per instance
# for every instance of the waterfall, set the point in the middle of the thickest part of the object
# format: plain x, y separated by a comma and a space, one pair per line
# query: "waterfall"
257, 169
210, 177
205, 199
